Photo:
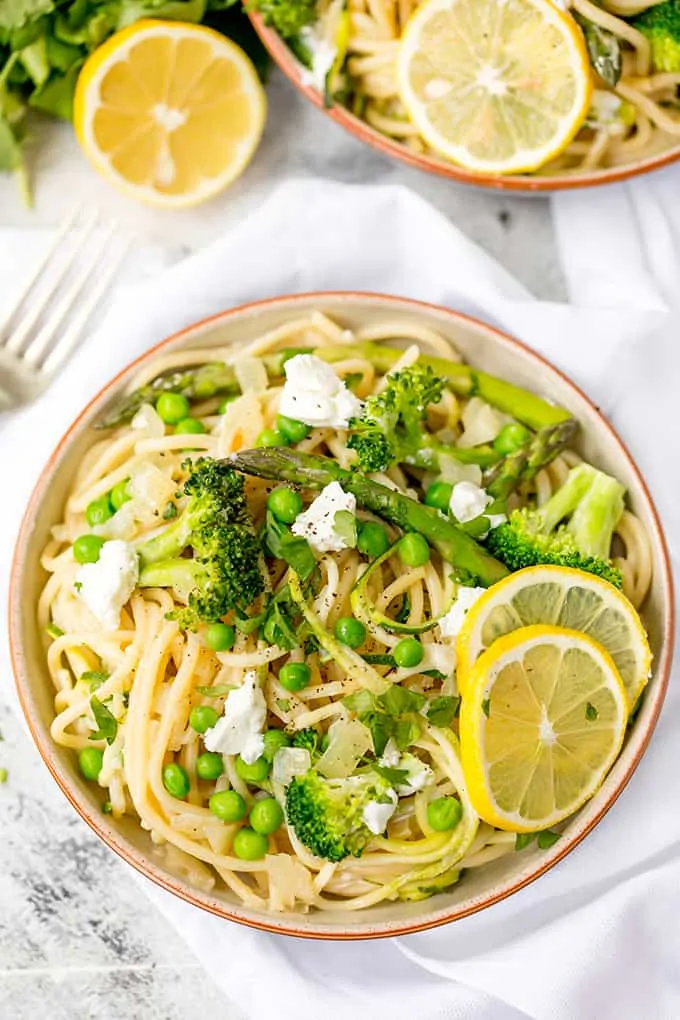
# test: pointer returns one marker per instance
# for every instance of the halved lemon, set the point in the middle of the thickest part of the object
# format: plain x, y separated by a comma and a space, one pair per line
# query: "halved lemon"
169, 112
541, 723
561, 597
499, 86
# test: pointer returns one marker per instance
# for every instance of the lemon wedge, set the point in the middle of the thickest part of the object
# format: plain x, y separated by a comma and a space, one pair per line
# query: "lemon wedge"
541, 723
169, 112
560, 597
498, 86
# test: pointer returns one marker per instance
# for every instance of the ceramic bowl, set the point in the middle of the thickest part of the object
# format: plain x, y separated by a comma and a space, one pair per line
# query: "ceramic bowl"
487, 349
518, 183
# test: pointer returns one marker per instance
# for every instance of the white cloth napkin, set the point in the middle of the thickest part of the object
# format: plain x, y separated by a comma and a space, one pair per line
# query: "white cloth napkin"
599, 936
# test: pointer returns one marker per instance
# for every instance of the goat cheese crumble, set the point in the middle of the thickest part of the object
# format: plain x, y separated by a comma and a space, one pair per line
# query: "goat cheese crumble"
451, 623
239, 731
317, 523
314, 394
377, 814
105, 586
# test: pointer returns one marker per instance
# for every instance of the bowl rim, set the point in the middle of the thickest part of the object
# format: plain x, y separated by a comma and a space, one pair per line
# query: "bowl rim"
139, 861
386, 146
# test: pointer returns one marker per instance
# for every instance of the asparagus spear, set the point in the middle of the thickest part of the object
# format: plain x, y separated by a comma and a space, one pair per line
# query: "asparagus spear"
314, 472
464, 380
528, 460
200, 383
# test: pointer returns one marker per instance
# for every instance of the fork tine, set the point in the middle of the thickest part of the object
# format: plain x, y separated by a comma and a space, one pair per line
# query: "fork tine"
30, 280
18, 336
71, 336
37, 347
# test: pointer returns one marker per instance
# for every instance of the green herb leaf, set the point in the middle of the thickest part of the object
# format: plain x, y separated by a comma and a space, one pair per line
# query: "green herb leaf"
486, 706
443, 710
397, 700
405, 731
591, 712
284, 545
15, 14
170, 511
381, 726
523, 839
345, 527
94, 678
546, 839
105, 720
396, 777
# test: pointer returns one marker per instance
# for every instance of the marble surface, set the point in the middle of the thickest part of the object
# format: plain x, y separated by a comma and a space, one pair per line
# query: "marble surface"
76, 940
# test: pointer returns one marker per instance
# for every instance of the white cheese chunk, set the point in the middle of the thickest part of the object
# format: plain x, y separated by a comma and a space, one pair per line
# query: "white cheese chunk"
317, 523
239, 731
451, 623
105, 586
468, 501
376, 814
314, 394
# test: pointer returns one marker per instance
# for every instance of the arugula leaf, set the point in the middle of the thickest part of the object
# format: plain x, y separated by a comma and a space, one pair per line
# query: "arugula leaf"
105, 720
443, 710
345, 527
284, 545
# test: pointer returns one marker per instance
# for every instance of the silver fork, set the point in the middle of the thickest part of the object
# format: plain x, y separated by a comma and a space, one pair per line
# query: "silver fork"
44, 324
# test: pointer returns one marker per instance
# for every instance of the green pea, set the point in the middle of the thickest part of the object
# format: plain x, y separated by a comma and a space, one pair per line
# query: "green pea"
439, 495
295, 676
413, 550
220, 637
228, 805
202, 718
250, 845
372, 540
274, 740
510, 438
209, 765
271, 437
408, 652
190, 426
444, 813
172, 408
176, 781
119, 494
91, 760
350, 631
99, 511
294, 431
285, 504
86, 548
266, 816
256, 772
224, 404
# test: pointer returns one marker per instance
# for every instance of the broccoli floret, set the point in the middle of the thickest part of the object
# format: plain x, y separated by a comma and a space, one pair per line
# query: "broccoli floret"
573, 529
327, 814
661, 25
390, 429
288, 17
225, 569
308, 739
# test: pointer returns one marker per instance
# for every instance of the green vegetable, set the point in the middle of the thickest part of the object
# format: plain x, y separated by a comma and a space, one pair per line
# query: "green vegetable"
99, 511
408, 652
372, 539
295, 676
107, 725
190, 426
294, 431
591, 712
228, 805
438, 495
307, 739
366, 611
511, 438
413, 550
604, 49
209, 765
284, 545
94, 678
345, 527
119, 494
271, 437
444, 813
86, 548
443, 710
327, 814
274, 740
225, 572
202, 718
172, 408
176, 781
254, 772
661, 25
91, 760
265, 816
53, 631
312, 471
591, 503
390, 715
250, 845
288, 17
546, 839
523, 839
220, 637
524, 464
350, 631
285, 504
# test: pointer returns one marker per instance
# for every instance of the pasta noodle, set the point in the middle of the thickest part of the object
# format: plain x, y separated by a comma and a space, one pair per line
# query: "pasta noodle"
149, 674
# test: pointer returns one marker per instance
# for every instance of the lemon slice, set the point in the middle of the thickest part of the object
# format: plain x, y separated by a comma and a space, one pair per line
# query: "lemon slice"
541, 723
170, 112
499, 86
